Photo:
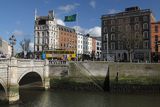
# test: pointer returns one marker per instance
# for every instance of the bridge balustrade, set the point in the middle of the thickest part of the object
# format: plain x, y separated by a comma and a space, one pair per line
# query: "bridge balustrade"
57, 62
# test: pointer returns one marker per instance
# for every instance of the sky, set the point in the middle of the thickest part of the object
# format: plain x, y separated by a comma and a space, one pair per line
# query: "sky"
17, 16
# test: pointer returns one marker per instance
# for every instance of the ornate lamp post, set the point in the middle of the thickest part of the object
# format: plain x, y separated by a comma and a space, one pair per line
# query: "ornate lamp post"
12, 41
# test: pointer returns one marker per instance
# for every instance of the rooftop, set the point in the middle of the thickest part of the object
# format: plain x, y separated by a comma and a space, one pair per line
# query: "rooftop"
128, 11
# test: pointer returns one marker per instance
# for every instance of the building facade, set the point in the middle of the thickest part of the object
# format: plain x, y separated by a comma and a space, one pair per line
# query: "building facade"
45, 33
80, 43
5, 49
98, 48
126, 35
155, 41
67, 38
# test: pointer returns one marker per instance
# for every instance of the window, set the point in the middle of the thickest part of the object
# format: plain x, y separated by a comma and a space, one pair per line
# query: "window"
97, 48
145, 35
112, 46
119, 45
127, 20
120, 21
156, 28
156, 37
145, 18
136, 35
119, 28
145, 44
37, 48
128, 27
119, 37
136, 27
112, 28
105, 22
145, 26
105, 46
105, 37
112, 22
112, 36
136, 46
136, 19
105, 29
38, 37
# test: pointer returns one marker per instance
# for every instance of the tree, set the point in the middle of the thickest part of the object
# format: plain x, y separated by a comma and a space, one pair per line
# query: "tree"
25, 45
131, 40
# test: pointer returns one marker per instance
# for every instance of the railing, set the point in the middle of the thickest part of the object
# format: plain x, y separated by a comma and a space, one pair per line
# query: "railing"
30, 62
57, 62
4, 60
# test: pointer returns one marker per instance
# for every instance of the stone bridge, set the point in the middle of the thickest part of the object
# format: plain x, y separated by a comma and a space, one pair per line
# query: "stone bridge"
13, 70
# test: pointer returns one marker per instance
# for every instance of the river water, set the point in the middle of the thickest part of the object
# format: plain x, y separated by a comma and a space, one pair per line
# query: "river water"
30, 98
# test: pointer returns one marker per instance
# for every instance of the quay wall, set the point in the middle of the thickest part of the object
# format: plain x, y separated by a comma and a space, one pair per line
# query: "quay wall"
114, 76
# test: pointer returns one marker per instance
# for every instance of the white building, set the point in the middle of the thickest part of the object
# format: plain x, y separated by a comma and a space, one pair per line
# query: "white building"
90, 47
85, 45
46, 32
5, 49
80, 43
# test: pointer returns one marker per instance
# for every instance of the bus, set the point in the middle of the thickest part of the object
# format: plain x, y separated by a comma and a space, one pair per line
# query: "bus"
60, 55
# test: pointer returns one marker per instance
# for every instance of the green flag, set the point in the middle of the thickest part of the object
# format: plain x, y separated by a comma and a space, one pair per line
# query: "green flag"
70, 18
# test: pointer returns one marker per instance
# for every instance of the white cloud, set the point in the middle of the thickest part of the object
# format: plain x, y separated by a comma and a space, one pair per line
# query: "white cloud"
92, 3
80, 29
18, 33
112, 11
95, 31
60, 22
68, 7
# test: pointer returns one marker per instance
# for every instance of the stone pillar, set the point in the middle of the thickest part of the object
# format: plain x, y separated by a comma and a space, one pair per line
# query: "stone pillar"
46, 75
13, 86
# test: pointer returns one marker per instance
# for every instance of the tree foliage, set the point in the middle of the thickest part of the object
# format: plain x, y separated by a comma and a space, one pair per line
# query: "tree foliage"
25, 44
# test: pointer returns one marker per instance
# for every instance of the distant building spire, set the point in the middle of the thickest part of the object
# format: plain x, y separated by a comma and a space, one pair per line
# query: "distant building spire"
35, 14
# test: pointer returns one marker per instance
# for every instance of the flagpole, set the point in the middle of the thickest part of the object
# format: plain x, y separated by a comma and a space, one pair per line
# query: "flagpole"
77, 32
77, 22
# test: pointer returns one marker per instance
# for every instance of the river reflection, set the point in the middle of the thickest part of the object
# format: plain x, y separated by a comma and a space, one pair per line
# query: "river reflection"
30, 98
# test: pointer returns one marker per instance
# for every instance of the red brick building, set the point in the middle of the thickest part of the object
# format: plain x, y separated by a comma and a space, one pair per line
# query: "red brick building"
67, 38
155, 41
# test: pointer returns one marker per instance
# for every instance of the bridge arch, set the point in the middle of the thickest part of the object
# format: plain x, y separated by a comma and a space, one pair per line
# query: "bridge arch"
30, 73
4, 86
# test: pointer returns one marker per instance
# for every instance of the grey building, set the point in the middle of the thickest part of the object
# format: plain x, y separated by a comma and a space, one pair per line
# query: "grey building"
126, 36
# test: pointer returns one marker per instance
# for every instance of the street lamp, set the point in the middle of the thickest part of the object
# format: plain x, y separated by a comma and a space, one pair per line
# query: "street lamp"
12, 40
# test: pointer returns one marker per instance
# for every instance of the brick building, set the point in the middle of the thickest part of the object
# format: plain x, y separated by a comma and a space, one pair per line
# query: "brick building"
155, 41
126, 35
67, 38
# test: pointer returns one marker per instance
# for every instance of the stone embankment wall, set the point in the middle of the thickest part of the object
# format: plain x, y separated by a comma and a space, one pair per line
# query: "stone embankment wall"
113, 76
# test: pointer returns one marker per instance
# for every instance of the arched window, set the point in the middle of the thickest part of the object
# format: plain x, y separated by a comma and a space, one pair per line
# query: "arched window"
136, 19
136, 27
38, 37
112, 28
105, 29
145, 34
128, 27
112, 22
145, 26
145, 18
136, 35
113, 37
